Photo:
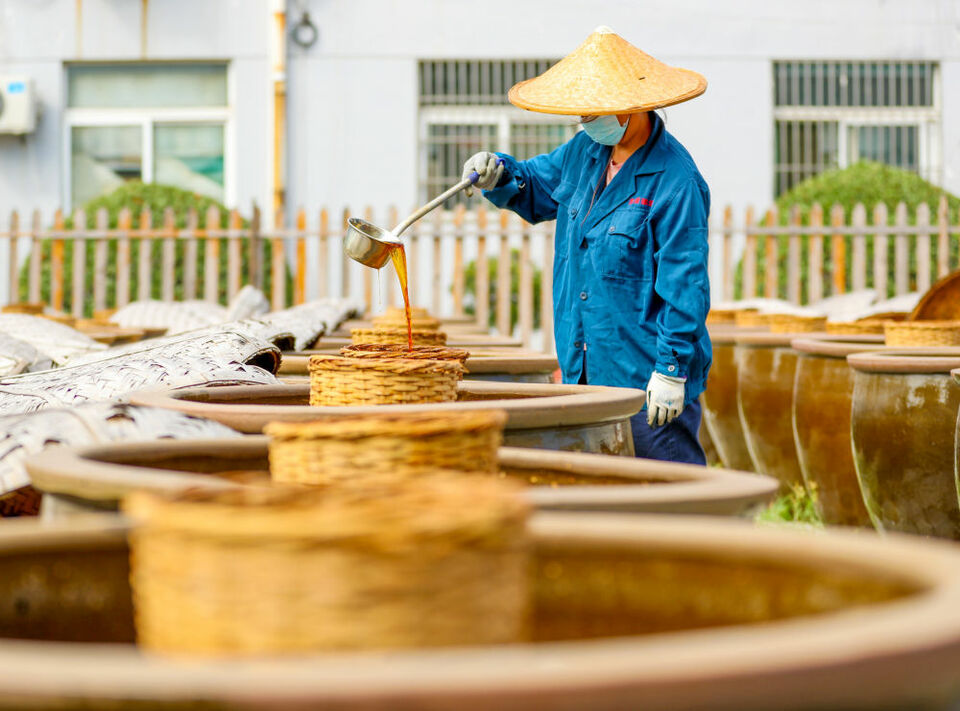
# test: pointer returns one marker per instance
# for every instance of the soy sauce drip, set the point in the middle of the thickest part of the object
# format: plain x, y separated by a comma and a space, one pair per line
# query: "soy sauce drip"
399, 257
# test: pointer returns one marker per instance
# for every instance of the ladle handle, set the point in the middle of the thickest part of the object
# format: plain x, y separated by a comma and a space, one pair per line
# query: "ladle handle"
439, 200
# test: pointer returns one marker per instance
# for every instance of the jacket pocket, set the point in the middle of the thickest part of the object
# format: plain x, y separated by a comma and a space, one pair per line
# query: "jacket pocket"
567, 226
623, 249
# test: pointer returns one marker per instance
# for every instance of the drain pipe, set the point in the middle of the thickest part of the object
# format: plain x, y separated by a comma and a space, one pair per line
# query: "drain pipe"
278, 81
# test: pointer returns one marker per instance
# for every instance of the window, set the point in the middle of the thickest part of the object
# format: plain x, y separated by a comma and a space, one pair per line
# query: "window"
162, 123
833, 114
464, 109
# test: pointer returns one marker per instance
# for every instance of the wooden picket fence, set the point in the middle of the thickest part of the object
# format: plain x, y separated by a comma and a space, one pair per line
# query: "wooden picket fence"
801, 258
313, 252
805, 260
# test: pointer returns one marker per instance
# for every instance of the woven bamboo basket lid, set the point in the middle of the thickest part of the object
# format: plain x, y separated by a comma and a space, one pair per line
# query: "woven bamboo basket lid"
921, 333
34, 309
752, 319
722, 316
422, 323
396, 350
940, 302
398, 445
398, 313
855, 328
793, 323
397, 335
336, 380
438, 560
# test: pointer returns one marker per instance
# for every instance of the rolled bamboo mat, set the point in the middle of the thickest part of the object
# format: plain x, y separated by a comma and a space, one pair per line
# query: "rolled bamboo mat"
64, 319
377, 446
397, 335
921, 333
335, 380
434, 561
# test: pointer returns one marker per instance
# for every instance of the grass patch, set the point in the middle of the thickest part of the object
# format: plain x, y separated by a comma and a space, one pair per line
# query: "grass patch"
798, 506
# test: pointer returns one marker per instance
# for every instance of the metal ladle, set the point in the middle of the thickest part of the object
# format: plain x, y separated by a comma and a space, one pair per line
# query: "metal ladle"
371, 245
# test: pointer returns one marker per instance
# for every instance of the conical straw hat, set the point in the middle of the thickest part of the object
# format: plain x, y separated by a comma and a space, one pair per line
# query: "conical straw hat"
606, 75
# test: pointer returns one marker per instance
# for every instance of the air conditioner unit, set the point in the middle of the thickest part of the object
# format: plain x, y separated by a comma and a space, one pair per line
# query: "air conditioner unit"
18, 106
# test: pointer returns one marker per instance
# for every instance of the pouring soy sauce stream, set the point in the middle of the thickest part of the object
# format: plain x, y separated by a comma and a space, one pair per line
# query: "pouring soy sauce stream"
372, 246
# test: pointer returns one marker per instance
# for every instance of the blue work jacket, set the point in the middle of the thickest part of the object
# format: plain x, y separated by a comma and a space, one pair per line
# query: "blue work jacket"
630, 284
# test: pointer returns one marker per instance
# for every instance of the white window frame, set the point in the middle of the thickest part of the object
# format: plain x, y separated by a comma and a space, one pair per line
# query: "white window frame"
147, 119
502, 117
927, 120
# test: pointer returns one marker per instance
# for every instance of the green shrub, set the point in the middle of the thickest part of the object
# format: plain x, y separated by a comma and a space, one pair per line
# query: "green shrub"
138, 196
797, 506
865, 182
470, 289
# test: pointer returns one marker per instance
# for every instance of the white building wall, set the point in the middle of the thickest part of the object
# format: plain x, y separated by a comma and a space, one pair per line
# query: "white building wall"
729, 130
38, 38
353, 114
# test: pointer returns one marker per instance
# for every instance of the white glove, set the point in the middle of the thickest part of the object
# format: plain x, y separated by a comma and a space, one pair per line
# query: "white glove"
487, 167
664, 399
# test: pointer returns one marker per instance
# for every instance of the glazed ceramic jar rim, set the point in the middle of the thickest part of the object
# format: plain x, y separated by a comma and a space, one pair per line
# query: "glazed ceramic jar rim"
859, 642
837, 346
768, 340
932, 360
529, 405
477, 363
107, 472
727, 334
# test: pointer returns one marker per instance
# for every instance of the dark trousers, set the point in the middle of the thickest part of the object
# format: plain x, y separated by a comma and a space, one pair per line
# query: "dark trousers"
678, 441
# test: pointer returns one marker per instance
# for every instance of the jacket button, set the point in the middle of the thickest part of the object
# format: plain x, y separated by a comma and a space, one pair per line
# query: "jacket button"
583, 296
612, 228
573, 212
671, 368
576, 344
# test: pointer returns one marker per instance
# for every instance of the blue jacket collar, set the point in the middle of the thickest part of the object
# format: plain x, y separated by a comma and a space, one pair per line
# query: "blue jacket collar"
649, 158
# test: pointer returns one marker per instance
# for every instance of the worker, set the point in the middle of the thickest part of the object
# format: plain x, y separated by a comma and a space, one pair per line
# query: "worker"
631, 291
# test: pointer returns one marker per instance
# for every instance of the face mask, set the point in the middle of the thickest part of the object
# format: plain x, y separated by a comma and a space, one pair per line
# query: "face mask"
606, 130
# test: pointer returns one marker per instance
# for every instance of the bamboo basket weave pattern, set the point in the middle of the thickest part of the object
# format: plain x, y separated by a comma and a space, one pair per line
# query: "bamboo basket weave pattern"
855, 328
374, 445
751, 319
398, 313
21, 502
335, 380
440, 560
398, 336
33, 309
721, 316
921, 333
791, 323
396, 350
421, 323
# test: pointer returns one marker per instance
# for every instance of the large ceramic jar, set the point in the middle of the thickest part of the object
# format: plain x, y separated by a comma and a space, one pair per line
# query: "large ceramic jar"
903, 423
721, 418
822, 397
766, 366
